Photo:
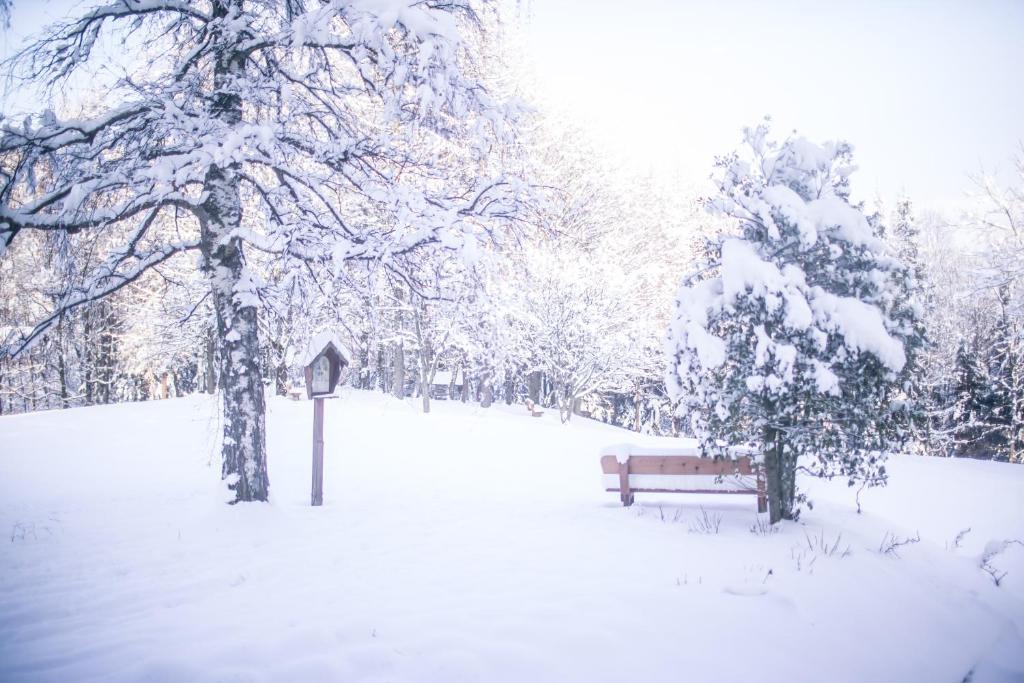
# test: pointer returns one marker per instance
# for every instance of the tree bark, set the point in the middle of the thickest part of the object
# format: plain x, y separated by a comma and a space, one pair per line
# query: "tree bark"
62, 365
107, 352
780, 477
244, 413
534, 386
211, 363
382, 369
88, 354
772, 469
365, 379
281, 379
398, 374
424, 379
451, 382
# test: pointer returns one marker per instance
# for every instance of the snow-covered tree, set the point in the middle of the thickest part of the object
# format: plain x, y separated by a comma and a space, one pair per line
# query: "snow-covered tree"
1000, 220
797, 337
905, 235
239, 127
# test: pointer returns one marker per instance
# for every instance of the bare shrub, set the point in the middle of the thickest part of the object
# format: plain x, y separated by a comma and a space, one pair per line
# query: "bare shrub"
706, 523
891, 543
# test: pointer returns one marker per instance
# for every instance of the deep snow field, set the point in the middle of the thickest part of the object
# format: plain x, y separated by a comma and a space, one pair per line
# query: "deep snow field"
476, 545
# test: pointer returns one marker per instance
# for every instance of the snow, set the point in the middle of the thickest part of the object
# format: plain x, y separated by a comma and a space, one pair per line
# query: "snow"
745, 274
861, 325
319, 342
690, 325
689, 447
475, 545
444, 378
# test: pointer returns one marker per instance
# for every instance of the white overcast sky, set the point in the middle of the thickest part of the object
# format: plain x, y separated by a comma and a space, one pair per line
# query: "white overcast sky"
928, 91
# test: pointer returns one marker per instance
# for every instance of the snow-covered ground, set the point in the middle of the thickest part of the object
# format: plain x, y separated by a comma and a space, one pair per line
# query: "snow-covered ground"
475, 545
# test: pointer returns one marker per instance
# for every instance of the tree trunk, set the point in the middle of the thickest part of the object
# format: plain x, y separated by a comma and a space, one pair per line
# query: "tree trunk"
365, 380
780, 477
564, 402
424, 357
534, 386
87, 353
451, 382
211, 363
107, 352
399, 371
62, 365
382, 369
281, 379
510, 388
244, 446
486, 394
424, 380
32, 378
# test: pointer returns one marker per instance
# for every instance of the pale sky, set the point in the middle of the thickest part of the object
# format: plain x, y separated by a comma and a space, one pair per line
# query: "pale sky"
927, 91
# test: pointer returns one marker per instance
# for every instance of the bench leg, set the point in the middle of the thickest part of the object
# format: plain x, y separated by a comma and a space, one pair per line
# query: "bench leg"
624, 492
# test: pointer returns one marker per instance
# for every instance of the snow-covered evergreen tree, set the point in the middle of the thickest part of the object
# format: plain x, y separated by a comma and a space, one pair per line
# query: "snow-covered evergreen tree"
975, 411
905, 235
797, 337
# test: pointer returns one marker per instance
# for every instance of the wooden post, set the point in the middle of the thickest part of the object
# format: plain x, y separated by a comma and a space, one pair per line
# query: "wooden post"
624, 493
318, 452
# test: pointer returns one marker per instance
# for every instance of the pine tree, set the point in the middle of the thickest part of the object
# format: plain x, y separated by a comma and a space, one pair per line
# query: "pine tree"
798, 337
906, 236
975, 430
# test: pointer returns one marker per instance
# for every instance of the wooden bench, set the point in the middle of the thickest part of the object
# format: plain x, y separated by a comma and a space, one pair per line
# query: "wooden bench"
533, 408
630, 470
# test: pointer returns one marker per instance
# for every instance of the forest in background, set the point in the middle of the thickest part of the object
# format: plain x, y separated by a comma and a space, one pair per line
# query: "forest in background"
573, 318
569, 308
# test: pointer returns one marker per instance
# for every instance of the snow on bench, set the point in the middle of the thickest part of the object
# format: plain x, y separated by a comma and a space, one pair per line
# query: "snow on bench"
629, 469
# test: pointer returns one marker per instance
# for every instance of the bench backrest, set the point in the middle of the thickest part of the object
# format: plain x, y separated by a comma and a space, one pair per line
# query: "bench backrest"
679, 464
681, 473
